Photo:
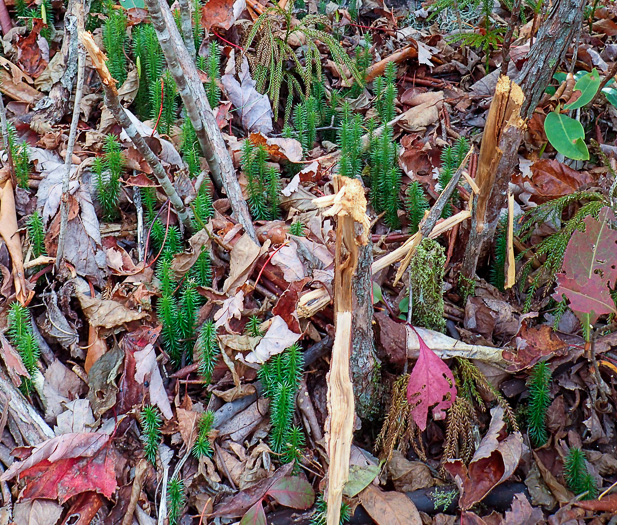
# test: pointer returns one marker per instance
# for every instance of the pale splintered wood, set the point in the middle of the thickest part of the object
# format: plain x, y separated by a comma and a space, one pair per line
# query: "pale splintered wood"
503, 114
341, 412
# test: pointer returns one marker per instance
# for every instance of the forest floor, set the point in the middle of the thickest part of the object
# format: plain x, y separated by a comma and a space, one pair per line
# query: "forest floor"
167, 359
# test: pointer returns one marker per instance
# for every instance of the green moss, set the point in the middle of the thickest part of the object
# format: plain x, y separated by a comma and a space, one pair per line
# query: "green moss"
427, 272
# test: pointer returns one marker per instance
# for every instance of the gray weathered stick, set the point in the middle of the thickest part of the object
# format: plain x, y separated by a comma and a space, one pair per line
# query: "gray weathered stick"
196, 104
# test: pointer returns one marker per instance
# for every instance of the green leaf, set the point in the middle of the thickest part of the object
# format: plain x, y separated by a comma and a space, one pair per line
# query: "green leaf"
588, 86
360, 478
403, 306
611, 95
293, 492
566, 135
376, 293
130, 4
255, 515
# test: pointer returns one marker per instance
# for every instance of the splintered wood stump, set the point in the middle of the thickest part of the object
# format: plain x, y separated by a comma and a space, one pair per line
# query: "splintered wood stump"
502, 137
349, 206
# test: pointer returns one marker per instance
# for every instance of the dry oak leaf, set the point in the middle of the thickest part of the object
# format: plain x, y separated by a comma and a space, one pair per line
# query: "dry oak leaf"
244, 255
106, 313
389, 508
221, 13
232, 307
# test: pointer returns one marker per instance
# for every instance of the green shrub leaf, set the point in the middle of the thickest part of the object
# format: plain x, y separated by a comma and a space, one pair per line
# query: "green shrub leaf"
588, 86
566, 135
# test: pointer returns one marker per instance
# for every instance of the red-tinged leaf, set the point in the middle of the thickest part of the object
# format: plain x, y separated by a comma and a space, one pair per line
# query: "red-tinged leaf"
606, 504
255, 515
589, 271
66, 446
293, 492
431, 383
69, 477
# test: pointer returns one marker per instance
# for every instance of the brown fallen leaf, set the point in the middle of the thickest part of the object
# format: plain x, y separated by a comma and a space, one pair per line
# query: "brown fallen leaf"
37, 512
220, 13
278, 149
244, 256
232, 308
389, 508
147, 369
606, 504
522, 513
105, 313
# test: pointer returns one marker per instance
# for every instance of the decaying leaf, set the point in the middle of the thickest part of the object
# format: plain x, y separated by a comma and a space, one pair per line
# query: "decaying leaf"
255, 110
589, 272
277, 339
107, 313
147, 369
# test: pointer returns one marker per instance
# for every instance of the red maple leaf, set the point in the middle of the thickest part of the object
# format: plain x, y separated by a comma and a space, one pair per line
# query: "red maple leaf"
68, 477
431, 383
589, 271
65, 466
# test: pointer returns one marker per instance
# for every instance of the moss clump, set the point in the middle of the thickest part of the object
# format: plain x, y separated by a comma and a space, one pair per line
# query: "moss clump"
427, 272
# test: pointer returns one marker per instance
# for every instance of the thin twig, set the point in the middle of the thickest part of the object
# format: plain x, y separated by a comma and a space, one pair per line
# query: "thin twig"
113, 104
79, 88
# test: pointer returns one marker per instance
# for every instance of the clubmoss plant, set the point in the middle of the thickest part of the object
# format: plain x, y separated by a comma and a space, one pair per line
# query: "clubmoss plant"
20, 155
350, 144
539, 387
297, 229
280, 377
451, 159
164, 93
150, 419
207, 350
213, 92
385, 93
151, 62
578, 478
21, 335
417, 204
202, 446
176, 499
321, 511
115, 40
263, 182
108, 170
252, 326
36, 233
201, 271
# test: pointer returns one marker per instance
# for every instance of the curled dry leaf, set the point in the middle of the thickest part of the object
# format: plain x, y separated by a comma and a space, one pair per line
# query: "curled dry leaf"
147, 369
244, 256
232, 307
277, 339
106, 313
279, 148
287, 260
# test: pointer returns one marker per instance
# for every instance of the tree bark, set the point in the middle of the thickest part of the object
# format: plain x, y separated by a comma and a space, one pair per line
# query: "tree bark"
364, 363
504, 134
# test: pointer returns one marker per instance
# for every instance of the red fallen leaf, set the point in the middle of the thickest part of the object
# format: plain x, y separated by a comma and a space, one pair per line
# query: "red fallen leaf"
431, 382
255, 515
494, 462
293, 492
219, 14
65, 466
533, 344
30, 57
287, 304
69, 477
589, 271
607, 504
